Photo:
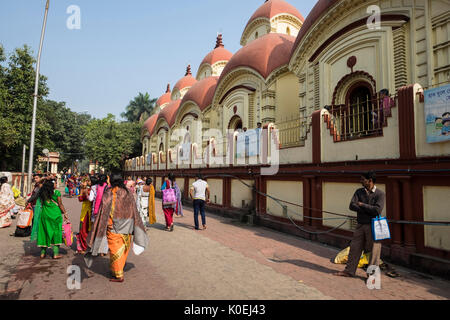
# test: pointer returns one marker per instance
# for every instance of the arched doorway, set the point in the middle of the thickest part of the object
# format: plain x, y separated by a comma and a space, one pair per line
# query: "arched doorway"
359, 102
235, 123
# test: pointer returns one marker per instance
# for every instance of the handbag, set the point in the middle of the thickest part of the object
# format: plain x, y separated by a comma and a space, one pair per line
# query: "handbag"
380, 229
24, 218
67, 234
169, 197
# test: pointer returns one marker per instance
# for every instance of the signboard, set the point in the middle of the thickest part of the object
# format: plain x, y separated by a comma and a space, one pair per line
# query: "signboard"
248, 143
437, 114
185, 152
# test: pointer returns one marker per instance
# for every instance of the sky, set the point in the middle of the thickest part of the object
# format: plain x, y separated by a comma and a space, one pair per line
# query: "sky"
123, 47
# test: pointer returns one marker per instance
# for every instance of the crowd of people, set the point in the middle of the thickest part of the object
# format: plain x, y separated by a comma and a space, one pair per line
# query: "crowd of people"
112, 211
115, 212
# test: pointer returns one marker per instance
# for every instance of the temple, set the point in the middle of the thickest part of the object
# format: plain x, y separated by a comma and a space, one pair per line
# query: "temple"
283, 127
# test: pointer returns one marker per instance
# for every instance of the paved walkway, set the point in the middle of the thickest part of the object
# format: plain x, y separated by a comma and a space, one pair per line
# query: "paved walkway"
228, 261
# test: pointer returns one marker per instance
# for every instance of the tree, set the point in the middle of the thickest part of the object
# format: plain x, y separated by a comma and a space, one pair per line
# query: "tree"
16, 108
110, 142
57, 127
67, 131
140, 108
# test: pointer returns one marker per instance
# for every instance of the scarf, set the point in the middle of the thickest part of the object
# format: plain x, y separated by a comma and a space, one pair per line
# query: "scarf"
98, 198
121, 205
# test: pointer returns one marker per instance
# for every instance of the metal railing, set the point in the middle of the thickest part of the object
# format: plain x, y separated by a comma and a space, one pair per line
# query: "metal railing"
292, 132
364, 118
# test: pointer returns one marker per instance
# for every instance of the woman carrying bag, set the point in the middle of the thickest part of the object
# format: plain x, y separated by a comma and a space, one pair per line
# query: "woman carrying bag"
169, 202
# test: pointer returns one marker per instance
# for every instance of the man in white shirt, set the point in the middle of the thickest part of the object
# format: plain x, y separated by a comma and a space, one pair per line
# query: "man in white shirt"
199, 192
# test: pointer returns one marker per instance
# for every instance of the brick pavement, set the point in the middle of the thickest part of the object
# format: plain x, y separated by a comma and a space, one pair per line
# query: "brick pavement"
228, 261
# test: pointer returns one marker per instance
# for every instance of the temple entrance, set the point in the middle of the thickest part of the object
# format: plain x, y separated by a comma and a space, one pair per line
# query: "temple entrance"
235, 123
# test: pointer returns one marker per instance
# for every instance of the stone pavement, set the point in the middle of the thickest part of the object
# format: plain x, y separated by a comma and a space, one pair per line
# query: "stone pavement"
228, 261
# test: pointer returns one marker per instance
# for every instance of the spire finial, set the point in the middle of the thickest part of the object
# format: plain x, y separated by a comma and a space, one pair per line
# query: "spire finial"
168, 88
188, 71
219, 42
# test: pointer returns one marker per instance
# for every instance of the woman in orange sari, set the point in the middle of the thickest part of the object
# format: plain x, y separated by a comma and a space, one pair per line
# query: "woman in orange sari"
117, 221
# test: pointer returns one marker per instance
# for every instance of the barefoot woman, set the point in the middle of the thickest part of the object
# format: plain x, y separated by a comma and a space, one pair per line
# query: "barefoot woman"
117, 221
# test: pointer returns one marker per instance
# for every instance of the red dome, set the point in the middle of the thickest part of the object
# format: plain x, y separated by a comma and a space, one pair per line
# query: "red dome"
150, 123
271, 8
165, 98
202, 92
320, 8
264, 55
187, 81
169, 112
218, 54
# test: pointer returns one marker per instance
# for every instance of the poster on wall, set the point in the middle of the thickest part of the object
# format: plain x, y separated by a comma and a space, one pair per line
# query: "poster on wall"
185, 152
240, 146
437, 114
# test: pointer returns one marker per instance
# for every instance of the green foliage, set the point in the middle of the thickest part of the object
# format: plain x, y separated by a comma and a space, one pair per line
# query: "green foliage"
111, 142
76, 136
57, 127
140, 108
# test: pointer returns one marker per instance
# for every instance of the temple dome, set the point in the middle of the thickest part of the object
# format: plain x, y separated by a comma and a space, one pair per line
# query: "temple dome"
218, 54
187, 81
165, 98
169, 112
150, 123
272, 8
263, 55
202, 92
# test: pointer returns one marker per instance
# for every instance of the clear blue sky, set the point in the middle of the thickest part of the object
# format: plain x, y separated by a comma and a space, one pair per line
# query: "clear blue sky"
123, 47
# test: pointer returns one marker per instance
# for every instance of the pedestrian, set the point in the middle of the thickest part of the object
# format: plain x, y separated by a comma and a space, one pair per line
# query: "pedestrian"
368, 202
199, 192
169, 208
117, 221
7, 202
85, 217
131, 186
71, 186
179, 207
97, 198
101, 187
47, 226
142, 201
151, 200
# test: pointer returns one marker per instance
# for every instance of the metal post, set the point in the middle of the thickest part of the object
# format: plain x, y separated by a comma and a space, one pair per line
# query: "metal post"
23, 170
35, 95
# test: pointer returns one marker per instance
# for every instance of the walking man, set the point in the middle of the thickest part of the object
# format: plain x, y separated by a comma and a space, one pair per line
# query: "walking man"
368, 202
199, 192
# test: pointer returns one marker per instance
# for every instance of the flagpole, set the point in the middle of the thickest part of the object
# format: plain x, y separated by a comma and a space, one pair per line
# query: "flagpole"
35, 96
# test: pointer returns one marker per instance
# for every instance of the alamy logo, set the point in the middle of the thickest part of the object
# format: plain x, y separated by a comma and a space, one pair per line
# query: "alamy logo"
374, 20
74, 279
374, 280
74, 20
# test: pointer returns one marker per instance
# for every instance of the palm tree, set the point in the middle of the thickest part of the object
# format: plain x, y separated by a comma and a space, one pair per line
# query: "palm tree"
140, 108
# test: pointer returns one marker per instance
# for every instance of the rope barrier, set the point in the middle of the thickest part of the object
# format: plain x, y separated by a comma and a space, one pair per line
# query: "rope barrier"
343, 216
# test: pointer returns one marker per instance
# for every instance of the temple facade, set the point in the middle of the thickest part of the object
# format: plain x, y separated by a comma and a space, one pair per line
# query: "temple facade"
282, 128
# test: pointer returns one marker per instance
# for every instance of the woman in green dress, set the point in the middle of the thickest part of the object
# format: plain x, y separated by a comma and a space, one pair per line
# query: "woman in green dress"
47, 224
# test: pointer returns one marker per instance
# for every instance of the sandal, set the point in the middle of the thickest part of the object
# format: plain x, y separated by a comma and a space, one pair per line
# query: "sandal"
343, 274
57, 257
392, 274
117, 279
